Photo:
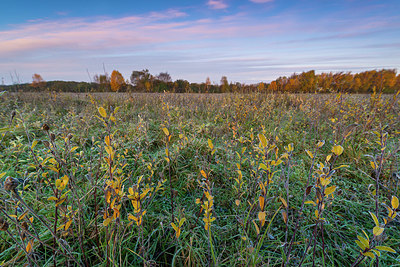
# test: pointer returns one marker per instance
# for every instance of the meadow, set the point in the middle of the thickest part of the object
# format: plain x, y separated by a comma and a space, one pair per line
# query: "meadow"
118, 179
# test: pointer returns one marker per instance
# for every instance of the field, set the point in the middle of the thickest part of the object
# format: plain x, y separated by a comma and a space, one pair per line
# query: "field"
199, 179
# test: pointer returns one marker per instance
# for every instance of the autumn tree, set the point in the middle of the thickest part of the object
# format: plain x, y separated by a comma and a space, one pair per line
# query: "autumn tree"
164, 77
37, 81
142, 80
261, 87
103, 80
272, 86
224, 84
117, 81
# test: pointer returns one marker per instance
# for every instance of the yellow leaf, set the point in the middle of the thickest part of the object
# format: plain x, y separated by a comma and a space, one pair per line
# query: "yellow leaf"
360, 244
284, 216
261, 217
34, 143
107, 140
369, 254
182, 221
203, 173
67, 225
330, 190
102, 112
374, 218
263, 140
338, 150
320, 143
210, 144
29, 246
175, 227
283, 201
256, 226
65, 179
261, 200
310, 154
310, 202
237, 202
373, 165
108, 196
52, 198
328, 158
22, 216
60, 202
378, 230
107, 221
385, 248
2, 175
166, 132
395, 202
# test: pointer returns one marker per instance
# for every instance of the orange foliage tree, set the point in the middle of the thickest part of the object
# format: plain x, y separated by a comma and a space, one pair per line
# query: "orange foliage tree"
117, 81
37, 81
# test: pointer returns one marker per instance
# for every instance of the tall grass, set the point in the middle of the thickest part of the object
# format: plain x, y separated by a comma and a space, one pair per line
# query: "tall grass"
278, 179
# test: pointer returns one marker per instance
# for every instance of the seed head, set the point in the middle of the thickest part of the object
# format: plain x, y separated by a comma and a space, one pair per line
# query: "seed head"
3, 224
10, 184
46, 144
52, 137
13, 114
45, 127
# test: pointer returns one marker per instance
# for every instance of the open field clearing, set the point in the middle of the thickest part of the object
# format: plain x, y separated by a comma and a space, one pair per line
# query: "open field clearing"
115, 179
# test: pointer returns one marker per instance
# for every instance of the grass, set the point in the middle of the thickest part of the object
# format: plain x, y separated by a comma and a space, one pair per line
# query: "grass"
102, 179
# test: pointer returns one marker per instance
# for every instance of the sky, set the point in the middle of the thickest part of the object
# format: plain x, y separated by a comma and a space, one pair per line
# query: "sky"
248, 41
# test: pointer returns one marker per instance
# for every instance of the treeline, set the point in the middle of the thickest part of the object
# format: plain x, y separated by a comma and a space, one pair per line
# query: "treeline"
385, 80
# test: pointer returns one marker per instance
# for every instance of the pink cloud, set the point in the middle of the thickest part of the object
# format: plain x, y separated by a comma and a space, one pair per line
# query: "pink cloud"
217, 4
129, 33
261, 1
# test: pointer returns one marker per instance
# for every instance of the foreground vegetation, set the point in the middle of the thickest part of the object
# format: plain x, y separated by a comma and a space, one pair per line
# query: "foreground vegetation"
188, 180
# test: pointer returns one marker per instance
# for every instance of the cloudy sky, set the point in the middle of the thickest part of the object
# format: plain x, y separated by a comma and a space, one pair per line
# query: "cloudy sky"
248, 41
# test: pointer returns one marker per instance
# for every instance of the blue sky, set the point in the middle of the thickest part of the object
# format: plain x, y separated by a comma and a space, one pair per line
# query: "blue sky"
247, 41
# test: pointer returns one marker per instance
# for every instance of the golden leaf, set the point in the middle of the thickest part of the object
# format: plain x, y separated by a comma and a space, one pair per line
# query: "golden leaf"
166, 132
263, 140
210, 144
338, 150
374, 218
283, 201
261, 217
330, 190
378, 230
395, 202
102, 112
261, 200
29, 246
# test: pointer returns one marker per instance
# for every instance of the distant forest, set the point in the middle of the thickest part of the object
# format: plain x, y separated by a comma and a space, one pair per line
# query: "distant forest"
385, 80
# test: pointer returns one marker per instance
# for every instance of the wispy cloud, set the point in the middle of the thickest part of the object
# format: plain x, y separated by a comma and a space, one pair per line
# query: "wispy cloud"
217, 4
126, 33
261, 1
